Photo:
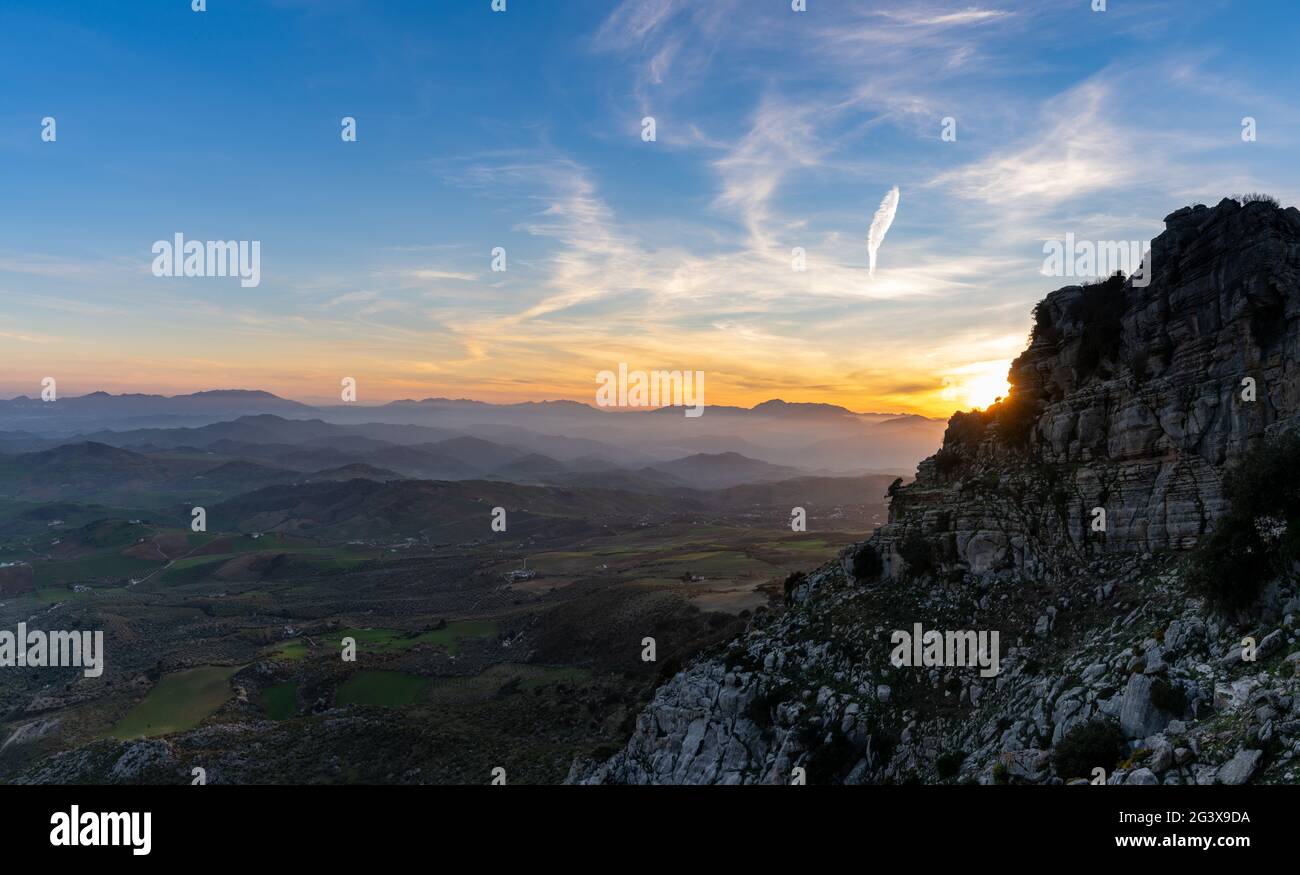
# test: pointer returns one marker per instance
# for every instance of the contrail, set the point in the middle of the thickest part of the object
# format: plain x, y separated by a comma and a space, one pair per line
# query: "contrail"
880, 226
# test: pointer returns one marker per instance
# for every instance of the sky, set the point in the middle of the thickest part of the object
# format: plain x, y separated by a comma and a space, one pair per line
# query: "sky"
773, 130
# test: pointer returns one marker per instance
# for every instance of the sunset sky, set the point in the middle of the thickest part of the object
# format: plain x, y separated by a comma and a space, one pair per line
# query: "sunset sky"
522, 129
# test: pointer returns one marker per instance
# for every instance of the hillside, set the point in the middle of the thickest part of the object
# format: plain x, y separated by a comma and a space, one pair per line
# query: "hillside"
439, 511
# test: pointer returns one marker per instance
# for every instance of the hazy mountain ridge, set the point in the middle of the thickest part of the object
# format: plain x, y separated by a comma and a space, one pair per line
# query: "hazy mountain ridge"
818, 438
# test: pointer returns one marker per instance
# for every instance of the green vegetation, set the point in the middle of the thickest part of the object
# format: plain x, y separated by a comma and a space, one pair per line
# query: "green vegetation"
813, 547
112, 533
1045, 329
867, 564
1088, 746
830, 754
1015, 416
1258, 536
918, 553
536, 677
178, 702
949, 764
387, 689
719, 563
104, 566
48, 595
1258, 197
193, 569
280, 701
948, 461
1168, 697
965, 429
1100, 309
793, 582
503, 679
390, 640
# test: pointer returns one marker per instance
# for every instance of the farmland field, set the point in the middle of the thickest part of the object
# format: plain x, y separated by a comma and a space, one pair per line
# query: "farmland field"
178, 702
388, 689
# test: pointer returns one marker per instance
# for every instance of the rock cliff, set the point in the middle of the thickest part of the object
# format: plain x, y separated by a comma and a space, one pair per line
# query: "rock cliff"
1128, 399
1061, 518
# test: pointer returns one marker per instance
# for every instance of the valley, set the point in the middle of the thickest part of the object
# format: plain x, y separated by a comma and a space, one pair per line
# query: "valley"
527, 642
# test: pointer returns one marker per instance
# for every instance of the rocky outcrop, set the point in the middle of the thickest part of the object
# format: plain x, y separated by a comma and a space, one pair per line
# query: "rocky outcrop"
1128, 401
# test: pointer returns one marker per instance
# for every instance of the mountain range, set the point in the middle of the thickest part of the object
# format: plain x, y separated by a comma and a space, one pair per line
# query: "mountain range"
445, 439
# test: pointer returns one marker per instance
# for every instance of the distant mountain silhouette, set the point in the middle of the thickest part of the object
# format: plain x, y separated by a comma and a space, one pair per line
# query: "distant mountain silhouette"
459, 439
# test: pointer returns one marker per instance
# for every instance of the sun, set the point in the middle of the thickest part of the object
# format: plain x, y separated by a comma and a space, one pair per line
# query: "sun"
978, 384
985, 390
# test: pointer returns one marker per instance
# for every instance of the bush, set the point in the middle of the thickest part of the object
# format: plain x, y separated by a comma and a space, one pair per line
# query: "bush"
760, 708
1015, 416
965, 429
1168, 697
917, 552
947, 461
829, 760
1097, 744
949, 764
867, 564
1258, 197
1101, 310
1044, 328
793, 582
1258, 536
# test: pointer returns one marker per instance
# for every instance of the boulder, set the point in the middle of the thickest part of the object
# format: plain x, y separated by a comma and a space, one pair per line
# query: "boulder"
1139, 716
1239, 769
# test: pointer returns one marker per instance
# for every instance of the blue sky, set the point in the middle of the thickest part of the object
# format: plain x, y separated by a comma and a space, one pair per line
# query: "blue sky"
522, 129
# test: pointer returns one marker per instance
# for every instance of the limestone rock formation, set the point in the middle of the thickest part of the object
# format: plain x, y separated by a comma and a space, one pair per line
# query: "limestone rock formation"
1131, 399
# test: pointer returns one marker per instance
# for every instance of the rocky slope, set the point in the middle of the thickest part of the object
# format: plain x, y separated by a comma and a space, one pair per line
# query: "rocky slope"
1061, 518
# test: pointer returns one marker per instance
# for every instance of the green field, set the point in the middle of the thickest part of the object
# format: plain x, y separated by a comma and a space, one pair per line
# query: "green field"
107, 566
390, 640
716, 552
804, 545
178, 702
48, 595
192, 569
388, 689
280, 701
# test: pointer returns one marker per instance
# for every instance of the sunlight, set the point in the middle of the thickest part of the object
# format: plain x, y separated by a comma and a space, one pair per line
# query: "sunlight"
978, 384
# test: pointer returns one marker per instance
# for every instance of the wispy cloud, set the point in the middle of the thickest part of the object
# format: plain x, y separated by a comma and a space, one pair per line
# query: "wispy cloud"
435, 274
922, 17
1079, 151
880, 227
